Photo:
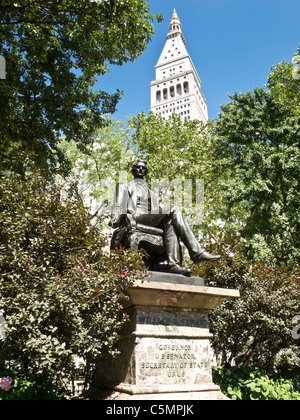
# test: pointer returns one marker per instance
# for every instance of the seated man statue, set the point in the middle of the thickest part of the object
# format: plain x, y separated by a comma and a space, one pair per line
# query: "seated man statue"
135, 198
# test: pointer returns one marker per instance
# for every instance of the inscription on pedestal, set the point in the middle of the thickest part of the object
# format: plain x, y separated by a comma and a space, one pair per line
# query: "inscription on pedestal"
177, 320
169, 321
174, 361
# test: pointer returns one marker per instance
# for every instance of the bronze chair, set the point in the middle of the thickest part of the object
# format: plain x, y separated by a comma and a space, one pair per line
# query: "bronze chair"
137, 236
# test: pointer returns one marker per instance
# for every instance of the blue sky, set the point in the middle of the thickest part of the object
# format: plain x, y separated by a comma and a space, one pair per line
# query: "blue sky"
233, 44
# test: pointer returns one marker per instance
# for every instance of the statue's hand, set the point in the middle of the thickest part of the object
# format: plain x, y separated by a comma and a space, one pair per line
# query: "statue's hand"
114, 222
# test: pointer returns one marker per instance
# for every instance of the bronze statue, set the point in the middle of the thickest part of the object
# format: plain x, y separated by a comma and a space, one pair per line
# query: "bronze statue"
135, 205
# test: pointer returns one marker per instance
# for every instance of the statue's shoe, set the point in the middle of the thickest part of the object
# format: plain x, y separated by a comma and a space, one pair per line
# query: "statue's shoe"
206, 256
176, 269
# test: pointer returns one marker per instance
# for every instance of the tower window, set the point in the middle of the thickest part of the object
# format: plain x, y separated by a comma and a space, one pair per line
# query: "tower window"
179, 89
186, 87
172, 91
158, 96
165, 93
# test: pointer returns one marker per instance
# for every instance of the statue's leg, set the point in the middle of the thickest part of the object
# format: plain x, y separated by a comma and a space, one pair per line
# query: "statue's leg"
171, 241
154, 220
184, 231
173, 216
172, 244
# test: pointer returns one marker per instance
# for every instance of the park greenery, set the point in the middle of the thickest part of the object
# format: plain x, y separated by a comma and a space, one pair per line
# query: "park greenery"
61, 291
244, 384
249, 160
54, 52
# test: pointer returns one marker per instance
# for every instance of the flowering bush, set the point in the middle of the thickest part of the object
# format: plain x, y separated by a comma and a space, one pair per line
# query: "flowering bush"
5, 383
60, 291
20, 387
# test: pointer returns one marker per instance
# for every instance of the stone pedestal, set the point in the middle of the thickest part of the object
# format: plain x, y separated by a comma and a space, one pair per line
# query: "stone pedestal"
165, 350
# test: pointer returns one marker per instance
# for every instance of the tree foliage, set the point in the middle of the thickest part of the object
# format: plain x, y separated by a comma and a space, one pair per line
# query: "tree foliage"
249, 159
246, 384
60, 291
54, 51
174, 147
259, 139
96, 172
182, 150
257, 145
255, 330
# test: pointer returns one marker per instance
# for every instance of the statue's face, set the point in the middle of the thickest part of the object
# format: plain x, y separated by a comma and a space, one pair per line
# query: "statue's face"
140, 170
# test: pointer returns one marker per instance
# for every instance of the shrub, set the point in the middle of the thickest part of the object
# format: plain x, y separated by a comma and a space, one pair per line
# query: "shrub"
21, 388
251, 384
255, 330
60, 291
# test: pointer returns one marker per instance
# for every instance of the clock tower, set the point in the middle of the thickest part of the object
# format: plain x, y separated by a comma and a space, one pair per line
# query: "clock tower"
177, 88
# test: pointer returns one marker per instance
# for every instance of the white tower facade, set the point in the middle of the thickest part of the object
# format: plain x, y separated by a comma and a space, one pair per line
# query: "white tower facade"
177, 88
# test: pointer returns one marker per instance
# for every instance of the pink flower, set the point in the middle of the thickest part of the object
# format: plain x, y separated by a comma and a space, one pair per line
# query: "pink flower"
5, 384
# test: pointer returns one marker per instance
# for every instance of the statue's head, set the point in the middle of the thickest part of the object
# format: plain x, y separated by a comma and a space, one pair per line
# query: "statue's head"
140, 169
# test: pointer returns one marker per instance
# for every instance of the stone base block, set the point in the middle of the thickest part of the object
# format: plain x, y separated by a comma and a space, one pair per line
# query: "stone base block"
106, 395
165, 351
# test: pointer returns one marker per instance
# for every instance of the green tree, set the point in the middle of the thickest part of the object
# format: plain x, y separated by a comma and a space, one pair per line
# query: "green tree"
284, 82
259, 136
182, 150
175, 147
96, 171
255, 330
60, 291
244, 158
54, 51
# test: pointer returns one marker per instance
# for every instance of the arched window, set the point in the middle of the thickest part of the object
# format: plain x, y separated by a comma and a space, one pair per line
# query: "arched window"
186, 87
179, 90
158, 96
172, 91
165, 93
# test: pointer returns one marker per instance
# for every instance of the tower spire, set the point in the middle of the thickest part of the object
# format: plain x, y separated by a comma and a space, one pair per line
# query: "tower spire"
175, 25
177, 86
